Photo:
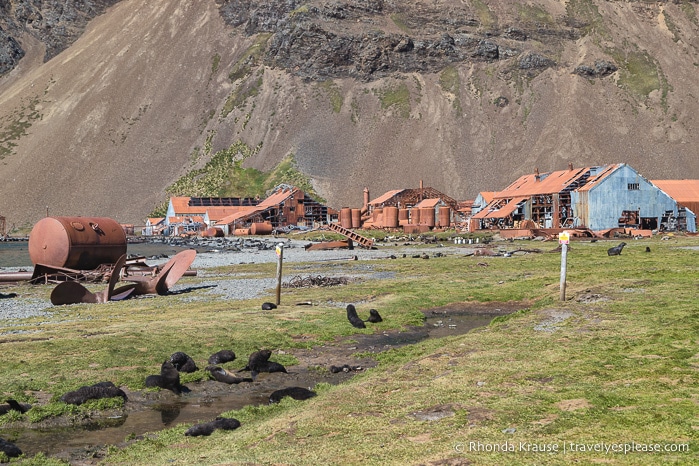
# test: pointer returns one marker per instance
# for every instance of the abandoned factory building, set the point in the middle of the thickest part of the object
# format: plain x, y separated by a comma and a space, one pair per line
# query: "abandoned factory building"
598, 198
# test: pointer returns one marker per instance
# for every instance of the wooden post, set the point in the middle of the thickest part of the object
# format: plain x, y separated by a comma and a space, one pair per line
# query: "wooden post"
280, 258
564, 265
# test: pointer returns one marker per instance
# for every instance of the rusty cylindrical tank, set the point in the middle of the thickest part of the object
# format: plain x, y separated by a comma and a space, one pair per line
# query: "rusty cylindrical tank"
346, 217
415, 216
390, 217
444, 215
261, 229
81, 243
213, 232
356, 218
427, 216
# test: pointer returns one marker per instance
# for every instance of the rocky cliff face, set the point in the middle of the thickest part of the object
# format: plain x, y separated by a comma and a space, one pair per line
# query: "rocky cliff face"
57, 24
464, 95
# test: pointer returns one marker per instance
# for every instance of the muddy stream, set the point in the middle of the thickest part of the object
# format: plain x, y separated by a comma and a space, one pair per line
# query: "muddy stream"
147, 411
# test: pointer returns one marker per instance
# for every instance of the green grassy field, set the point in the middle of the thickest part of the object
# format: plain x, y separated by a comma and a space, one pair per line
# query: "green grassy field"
607, 376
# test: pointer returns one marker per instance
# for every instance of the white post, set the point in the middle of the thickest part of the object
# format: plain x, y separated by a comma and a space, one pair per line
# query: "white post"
280, 258
564, 260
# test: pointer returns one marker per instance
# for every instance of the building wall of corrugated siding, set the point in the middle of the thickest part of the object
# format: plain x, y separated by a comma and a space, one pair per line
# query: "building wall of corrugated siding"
600, 207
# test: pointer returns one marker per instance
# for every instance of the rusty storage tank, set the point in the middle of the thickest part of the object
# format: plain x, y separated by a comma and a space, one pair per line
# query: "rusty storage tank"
356, 218
444, 215
415, 216
346, 217
213, 232
82, 243
262, 228
427, 216
390, 217
403, 216
241, 232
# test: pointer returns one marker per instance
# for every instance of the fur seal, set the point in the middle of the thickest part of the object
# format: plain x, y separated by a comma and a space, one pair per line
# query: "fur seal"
207, 428
259, 362
169, 378
221, 375
183, 363
93, 392
221, 357
9, 448
616, 250
268, 306
374, 316
353, 317
297, 393
13, 405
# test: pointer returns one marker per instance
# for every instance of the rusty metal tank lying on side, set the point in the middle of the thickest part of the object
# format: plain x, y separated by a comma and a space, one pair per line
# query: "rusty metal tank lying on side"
82, 243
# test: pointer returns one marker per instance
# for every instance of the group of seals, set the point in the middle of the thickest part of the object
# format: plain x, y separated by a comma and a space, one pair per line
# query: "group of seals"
259, 362
357, 322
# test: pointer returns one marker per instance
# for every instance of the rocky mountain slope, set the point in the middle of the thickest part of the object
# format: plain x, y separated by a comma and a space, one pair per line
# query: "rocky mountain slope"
465, 95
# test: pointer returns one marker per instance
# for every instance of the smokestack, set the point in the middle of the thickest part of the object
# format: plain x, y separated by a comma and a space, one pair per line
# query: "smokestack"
570, 166
366, 198
536, 174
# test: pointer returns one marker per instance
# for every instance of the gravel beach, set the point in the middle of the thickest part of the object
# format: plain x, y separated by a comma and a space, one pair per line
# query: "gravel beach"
233, 251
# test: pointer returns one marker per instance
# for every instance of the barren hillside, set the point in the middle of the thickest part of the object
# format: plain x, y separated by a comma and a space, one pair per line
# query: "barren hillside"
465, 95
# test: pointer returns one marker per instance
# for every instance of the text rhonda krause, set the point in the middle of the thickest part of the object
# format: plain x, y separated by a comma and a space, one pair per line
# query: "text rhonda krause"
572, 447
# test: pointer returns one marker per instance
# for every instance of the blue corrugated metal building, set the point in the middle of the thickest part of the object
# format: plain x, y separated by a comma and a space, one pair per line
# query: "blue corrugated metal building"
618, 196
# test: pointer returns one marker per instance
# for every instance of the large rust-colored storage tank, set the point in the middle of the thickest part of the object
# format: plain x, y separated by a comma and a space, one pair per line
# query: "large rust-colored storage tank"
82, 243
346, 217
415, 216
427, 216
261, 229
390, 217
444, 215
356, 218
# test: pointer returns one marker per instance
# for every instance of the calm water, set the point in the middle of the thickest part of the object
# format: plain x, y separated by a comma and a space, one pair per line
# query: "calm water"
16, 253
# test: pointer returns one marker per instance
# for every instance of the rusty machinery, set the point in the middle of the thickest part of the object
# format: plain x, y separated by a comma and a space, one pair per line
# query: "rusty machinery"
73, 249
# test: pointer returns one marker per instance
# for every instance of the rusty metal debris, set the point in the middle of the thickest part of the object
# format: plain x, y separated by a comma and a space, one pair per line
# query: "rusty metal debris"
342, 244
163, 278
359, 239
305, 282
159, 281
71, 292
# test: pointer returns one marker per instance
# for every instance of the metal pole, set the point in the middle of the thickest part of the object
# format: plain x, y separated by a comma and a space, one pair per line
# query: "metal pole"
280, 258
564, 261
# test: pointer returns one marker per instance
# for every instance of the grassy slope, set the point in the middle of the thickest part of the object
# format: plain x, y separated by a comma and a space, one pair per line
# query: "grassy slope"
618, 371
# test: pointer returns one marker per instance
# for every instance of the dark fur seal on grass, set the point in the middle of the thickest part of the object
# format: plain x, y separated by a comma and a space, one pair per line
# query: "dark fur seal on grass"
374, 316
9, 448
259, 362
207, 428
268, 306
257, 358
616, 250
297, 393
93, 392
13, 405
169, 378
183, 363
221, 375
221, 357
353, 317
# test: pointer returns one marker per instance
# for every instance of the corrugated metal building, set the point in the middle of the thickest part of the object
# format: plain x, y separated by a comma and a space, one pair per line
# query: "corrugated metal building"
618, 196
685, 192
598, 198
